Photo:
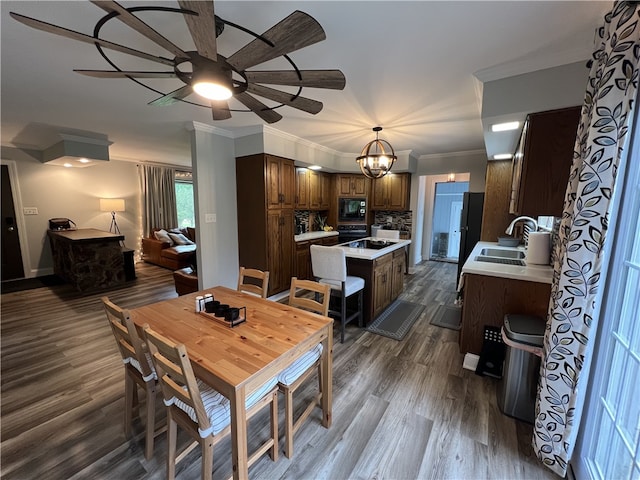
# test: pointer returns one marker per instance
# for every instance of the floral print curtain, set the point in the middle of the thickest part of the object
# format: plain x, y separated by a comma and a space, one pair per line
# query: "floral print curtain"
573, 309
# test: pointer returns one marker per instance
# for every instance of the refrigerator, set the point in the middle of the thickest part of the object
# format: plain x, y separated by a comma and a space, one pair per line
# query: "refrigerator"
470, 226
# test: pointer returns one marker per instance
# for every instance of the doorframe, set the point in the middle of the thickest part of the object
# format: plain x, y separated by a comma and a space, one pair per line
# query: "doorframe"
454, 206
22, 226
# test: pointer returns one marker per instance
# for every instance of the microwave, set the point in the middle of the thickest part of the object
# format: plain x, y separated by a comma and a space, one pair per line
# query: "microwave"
352, 209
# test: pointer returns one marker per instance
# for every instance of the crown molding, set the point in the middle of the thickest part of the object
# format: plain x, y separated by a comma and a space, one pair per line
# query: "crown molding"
452, 154
203, 127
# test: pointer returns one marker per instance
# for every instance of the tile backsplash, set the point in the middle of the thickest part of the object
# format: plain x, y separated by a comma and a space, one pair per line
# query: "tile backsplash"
402, 221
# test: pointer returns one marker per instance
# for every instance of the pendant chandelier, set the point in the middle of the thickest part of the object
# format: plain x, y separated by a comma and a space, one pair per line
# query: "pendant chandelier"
375, 159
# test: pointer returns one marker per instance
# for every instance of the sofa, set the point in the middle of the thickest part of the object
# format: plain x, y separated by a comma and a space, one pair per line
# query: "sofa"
186, 280
174, 248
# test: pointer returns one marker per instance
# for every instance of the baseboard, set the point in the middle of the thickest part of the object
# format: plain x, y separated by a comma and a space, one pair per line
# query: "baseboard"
470, 361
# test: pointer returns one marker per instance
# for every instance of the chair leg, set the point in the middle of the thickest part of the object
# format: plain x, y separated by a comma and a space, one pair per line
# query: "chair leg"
274, 427
207, 457
288, 422
172, 430
360, 317
343, 311
151, 419
129, 388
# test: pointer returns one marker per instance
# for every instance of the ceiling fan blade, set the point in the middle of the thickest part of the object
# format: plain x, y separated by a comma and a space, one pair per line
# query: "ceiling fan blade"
333, 79
125, 74
173, 97
220, 109
139, 26
202, 27
48, 27
297, 31
301, 103
257, 107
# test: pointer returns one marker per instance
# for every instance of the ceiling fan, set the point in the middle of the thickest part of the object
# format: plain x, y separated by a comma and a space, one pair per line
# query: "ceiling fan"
212, 75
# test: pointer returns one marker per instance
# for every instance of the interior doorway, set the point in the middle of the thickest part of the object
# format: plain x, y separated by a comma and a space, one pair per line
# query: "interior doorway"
12, 267
447, 210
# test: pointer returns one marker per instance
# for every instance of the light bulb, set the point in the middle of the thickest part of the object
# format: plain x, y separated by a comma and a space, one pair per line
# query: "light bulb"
212, 91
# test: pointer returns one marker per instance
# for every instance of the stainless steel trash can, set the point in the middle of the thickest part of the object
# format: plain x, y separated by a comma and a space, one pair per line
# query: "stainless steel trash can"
519, 384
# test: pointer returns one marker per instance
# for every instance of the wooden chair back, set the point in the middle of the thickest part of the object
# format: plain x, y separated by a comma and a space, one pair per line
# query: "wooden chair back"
297, 300
175, 374
129, 342
258, 283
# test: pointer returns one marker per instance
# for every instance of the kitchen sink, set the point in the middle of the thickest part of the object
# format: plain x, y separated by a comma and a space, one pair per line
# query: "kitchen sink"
497, 252
502, 260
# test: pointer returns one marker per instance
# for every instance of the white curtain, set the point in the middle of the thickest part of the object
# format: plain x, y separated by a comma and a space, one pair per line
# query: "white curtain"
157, 185
573, 308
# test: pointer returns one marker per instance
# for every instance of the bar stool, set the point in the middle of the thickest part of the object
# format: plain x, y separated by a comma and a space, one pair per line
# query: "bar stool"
329, 266
390, 234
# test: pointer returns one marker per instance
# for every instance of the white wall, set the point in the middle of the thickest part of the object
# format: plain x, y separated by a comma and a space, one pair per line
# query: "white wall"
72, 193
214, 181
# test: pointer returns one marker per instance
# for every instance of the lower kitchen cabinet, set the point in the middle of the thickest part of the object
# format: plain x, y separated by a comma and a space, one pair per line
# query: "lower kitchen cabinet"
487, 299
279, 249
398, 267
382, 278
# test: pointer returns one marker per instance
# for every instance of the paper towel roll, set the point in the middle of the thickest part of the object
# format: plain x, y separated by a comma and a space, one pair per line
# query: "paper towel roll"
539, 249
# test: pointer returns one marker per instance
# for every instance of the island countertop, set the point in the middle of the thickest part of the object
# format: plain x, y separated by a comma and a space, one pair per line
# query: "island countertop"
369, 253
530, 273
314, 235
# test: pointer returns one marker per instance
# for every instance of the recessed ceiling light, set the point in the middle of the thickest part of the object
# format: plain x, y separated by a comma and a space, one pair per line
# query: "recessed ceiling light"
503, 156
503, 127
315, 167
68, 165
84, 160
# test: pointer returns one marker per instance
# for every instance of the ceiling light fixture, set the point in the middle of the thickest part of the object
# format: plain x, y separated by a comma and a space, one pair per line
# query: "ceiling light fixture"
503, 156
314, 167
375, 161
212, 85
503, 127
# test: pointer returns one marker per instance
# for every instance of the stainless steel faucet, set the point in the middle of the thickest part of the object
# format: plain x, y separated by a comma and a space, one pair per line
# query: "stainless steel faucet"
509, 229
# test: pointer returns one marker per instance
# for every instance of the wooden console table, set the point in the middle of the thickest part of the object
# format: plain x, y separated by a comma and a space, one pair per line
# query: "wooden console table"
88, 258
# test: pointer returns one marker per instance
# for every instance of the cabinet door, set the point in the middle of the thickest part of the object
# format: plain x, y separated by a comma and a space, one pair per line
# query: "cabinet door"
359, 185
325, 191
286, 249
302, 189
381, 284
344, 184
287, 184
273, 182
315, 192
398, 191
279, 249
380, 193
329, 241
397, 276
273, 248
303, 260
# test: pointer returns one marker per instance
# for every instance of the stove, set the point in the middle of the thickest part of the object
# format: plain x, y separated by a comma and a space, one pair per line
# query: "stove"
350, 232
370, 244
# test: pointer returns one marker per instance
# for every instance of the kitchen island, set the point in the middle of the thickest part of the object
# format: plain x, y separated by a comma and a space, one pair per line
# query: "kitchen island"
382, 264
491, 290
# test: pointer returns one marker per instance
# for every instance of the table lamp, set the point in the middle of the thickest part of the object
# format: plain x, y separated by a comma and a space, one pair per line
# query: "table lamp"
112, 205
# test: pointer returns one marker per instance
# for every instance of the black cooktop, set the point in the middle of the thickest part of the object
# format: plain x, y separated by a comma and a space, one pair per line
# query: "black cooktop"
371, 244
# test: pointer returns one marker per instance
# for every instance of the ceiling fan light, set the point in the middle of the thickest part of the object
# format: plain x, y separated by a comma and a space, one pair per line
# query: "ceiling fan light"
212, 91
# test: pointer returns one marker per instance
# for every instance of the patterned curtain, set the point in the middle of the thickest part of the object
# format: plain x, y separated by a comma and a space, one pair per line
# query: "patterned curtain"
158, 198
573, 307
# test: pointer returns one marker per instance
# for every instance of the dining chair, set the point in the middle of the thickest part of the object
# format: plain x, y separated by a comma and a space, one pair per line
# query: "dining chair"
138, 371
389, 234
201, 411
290, 379
329, 266
258, 283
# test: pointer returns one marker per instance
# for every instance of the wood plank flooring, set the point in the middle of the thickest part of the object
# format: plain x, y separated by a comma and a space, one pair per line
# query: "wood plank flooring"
401, 410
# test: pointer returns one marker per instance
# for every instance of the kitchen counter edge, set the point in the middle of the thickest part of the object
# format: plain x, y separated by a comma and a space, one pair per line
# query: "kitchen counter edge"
303, 237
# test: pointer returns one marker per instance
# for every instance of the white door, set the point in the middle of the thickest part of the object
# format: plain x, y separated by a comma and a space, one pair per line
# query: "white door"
454, 230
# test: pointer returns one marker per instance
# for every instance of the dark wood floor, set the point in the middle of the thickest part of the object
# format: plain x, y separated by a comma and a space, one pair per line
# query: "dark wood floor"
401, 410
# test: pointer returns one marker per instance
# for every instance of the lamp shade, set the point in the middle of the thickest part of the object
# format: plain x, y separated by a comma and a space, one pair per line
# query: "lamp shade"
112, 204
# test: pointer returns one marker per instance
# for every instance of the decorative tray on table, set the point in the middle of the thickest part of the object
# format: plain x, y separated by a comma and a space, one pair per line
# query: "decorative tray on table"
230, 317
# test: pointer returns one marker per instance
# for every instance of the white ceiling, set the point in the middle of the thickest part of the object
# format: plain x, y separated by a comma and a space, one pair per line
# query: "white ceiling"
411, 67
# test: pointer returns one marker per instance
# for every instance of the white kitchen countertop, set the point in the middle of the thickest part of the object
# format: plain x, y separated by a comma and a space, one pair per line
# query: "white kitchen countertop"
529, 273
314, 235
372, 254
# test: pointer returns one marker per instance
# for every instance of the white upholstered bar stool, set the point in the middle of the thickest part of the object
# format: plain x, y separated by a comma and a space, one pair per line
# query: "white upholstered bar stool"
329, 266
388, 234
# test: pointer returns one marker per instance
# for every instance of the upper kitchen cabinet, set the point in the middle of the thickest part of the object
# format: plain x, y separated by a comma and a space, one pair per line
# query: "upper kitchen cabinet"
313, 190
391, 192
280, 181
542, 162
302, 189
352, 185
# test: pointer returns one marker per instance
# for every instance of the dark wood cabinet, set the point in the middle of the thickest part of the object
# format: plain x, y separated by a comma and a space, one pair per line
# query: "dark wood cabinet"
302, 189
265, 200
398, 266
391, 192
542, 162
352, 185
382, 278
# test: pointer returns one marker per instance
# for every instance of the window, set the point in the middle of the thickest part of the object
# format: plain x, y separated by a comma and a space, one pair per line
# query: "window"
184, 199
609, 447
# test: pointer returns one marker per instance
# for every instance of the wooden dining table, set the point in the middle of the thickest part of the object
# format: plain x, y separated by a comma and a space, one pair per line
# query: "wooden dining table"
238, 360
